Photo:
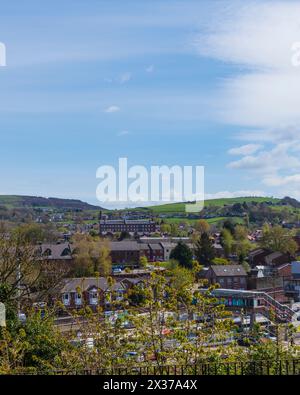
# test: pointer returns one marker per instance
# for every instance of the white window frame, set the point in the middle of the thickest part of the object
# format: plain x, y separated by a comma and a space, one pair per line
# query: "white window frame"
78, 299
93, 300
66, 298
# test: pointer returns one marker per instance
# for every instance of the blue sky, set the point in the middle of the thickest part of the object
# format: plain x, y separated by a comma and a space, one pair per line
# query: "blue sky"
159, 82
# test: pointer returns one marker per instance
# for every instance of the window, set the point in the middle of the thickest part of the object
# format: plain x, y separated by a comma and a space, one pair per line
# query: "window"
66, 299
47, 252
93, 297
65, 252
243, 281
78, 299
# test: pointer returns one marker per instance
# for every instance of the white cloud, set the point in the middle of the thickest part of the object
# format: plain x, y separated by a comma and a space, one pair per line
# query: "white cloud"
150, 69
277, 181
245, 149
125, 77
112, 109
263, 95
268, 162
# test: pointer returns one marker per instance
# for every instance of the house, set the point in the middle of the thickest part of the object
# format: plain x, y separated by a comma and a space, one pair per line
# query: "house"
56, 252
167, 249
130, 251
257, 256
90, 291
270, 279
127, 251
228, 276
277, 259
265, 257
55, 258
219, 250
156, 252
292, 285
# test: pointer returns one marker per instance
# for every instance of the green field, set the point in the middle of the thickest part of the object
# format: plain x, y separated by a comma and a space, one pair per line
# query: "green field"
212, 221
180, 207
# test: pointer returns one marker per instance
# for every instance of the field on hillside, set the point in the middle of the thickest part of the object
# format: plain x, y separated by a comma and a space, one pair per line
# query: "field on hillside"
180, 207
212, 221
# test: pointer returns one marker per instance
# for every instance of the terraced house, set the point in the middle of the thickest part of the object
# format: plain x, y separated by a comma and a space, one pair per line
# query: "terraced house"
90, 291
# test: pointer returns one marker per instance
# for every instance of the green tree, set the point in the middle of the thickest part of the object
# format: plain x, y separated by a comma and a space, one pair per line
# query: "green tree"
241, 245
279, 239
220, 261
91, 255
202, 226
204, 251
228, 224
183, 254
227, 241
165, 228
143, 261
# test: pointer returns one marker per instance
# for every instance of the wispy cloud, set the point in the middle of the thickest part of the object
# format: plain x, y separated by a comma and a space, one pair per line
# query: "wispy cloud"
247, 149
112, 109
150, 69
263, 95
123, 133
125, 77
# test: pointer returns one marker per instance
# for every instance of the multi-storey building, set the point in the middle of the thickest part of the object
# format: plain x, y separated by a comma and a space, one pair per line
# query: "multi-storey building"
143, 226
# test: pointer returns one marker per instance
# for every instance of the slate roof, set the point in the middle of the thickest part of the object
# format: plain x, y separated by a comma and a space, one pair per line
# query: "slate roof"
124, 245
270, 258
71, 284
57, 251
228, 270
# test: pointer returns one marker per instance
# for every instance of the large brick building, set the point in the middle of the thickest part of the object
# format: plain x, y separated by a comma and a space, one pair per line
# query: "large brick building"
143, 226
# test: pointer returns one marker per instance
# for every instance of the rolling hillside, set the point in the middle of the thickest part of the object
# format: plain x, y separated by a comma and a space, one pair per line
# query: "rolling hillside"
180, 207
18, 201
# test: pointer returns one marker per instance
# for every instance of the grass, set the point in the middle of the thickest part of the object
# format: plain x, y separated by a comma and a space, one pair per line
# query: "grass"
180, 207
211, 221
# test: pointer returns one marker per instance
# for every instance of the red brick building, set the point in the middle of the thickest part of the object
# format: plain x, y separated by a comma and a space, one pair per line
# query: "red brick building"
228, 276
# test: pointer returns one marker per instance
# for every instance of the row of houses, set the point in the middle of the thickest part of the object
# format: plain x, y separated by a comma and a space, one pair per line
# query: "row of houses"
74, 293
122, 252
98, 292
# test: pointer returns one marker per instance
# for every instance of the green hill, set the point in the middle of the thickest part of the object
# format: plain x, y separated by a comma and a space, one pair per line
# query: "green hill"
18, 201
180, 207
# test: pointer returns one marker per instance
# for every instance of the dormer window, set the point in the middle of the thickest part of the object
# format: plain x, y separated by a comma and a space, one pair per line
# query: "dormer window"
93, 296
78, 299
65, 252
66, 299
